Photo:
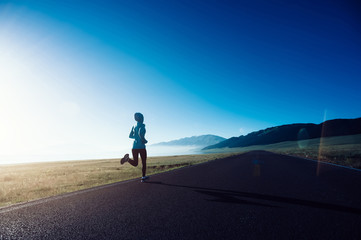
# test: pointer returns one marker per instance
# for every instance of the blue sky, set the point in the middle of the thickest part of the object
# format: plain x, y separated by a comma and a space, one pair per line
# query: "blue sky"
74, 72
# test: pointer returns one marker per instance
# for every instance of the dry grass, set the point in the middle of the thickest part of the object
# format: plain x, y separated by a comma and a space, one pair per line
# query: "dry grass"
25, 182
342, 150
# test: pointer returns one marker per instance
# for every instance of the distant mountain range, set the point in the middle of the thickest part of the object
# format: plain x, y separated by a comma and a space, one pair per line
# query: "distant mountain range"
293, 132
203, 140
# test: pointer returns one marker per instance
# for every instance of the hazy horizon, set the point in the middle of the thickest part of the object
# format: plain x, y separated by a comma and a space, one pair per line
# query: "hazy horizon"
152, 151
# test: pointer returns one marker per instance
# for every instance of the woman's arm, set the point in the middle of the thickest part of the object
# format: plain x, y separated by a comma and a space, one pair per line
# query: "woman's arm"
131, 134
142, 134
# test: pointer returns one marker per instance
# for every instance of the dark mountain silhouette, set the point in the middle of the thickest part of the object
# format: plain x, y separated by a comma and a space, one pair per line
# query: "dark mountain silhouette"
204, 140
294, 132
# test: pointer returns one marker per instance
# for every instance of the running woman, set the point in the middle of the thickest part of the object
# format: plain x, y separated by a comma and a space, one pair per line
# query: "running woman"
137, 133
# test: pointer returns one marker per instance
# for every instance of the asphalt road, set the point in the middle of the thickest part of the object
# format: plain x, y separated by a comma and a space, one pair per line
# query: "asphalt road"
257, 195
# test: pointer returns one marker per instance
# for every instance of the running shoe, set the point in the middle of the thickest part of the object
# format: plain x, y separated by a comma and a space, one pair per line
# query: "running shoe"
124, 159
144, 178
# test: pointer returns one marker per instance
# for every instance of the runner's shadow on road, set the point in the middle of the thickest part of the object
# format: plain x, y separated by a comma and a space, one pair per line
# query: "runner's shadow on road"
233, 197
217, 195
221, 196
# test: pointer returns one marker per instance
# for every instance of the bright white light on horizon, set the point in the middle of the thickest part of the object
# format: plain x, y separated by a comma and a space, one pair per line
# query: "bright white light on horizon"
46, 110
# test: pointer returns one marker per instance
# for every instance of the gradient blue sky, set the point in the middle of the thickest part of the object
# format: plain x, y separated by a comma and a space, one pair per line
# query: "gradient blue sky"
73, 73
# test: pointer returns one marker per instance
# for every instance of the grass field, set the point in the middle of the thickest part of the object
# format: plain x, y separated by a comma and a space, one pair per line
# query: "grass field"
343, 150
25, 182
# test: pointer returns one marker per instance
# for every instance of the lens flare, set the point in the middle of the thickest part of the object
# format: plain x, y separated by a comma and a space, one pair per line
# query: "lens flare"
303, 138
319, 158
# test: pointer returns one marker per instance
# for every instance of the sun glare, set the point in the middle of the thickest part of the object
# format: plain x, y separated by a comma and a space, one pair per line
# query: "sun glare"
44, 103
22, 124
